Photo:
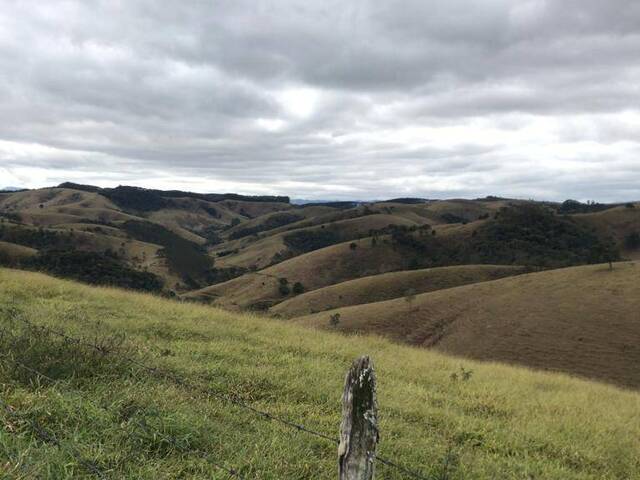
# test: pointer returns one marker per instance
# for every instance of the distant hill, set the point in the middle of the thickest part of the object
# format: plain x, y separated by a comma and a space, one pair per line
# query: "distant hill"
223, 247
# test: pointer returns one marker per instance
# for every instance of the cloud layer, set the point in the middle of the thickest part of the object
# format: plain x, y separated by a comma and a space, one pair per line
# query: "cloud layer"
317, 99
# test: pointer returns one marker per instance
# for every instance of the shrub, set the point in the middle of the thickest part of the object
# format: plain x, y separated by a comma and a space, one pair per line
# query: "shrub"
284, 289
334, 320
353, 245
298, 288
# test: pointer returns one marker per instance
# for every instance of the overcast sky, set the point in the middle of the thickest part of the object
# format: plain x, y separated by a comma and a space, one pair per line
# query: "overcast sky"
356, 99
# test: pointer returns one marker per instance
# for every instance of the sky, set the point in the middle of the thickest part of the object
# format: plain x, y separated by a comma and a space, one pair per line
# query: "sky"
325, 99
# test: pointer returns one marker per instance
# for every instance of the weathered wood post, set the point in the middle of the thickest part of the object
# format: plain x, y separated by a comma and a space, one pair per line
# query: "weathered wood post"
359, 427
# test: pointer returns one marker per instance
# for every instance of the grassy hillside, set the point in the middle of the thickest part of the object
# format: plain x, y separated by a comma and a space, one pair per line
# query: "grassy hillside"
501, 422
282, 245
13, 253
316, 269
390, 285
176, 227
582, 320
620, 223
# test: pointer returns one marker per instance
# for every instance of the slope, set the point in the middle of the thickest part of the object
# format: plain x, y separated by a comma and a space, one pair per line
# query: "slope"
501, 422
390, 285
581, 320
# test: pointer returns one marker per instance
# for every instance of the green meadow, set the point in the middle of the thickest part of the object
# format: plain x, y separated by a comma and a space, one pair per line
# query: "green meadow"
443, 417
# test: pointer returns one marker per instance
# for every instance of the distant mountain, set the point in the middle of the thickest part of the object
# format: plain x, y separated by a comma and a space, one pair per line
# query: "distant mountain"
11, 189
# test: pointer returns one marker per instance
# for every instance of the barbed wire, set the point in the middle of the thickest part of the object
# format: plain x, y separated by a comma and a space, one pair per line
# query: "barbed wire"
50, 438
168, 438
208, 391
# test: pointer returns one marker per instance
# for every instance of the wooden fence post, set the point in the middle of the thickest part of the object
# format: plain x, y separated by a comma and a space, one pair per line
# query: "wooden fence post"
359, 427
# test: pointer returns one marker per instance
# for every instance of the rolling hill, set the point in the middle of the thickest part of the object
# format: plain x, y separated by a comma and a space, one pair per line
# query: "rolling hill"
390, 285
440, 416
580, 320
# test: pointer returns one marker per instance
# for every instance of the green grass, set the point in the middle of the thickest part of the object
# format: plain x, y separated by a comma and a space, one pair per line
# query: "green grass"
503, 422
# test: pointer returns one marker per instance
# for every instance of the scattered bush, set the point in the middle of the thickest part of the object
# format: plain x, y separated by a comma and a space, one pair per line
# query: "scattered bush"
298, 288
464, 375
334, 320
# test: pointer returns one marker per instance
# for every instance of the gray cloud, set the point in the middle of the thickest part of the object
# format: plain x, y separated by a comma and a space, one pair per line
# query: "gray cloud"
361, 99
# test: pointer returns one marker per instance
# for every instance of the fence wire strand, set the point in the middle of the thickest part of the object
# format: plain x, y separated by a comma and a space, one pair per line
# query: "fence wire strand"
208, 391
144, 426
50, 438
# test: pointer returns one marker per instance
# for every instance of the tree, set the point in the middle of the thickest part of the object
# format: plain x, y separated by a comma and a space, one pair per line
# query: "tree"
334, 320
284, 287
298, 288
632, 241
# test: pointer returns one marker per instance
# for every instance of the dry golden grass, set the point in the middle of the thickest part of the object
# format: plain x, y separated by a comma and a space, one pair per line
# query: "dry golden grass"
304, 213
260, 253
16, 252
580, 320
388, 286
316, 269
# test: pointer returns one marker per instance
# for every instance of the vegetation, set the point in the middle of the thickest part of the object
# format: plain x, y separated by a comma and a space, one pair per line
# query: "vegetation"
580, 320
574, 206
93, 268
530, 234
500, 422
38, 238
217, 275
186, 258
303, 241
390, 285
131, 195
273, 221
136, 199
298, 288
632, 241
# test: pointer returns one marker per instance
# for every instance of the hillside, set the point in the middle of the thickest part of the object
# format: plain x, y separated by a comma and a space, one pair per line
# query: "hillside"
581, 320
622, 223
243, 252
444, 417
160, 233
390, 285
280, 246
526, 234
317, 269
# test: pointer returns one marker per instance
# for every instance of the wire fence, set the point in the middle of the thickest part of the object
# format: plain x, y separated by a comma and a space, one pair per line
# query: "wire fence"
47, 436
92, 466
209, 391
